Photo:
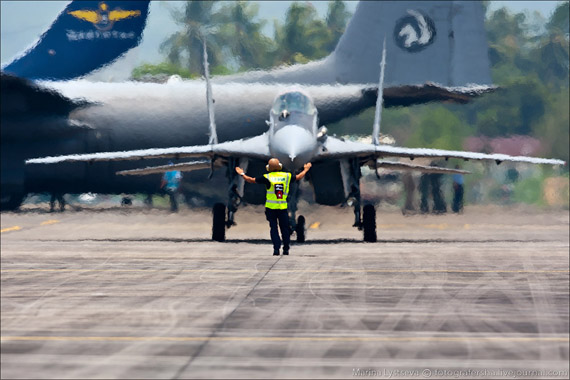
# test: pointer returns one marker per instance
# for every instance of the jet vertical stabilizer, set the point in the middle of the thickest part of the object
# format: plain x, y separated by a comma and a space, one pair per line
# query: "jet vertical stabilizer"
429, 41
443, 42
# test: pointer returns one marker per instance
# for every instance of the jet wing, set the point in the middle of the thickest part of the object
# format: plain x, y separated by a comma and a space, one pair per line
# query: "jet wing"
181, 167
403, 166
255, 147
411, 153
337, 148
408, 95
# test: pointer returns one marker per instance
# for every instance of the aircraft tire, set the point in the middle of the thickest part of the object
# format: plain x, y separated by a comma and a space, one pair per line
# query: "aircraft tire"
300, 229
219, 222
369, 223
13, 202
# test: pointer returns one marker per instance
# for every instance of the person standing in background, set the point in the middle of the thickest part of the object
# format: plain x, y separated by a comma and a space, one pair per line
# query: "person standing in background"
171, 183
457, 192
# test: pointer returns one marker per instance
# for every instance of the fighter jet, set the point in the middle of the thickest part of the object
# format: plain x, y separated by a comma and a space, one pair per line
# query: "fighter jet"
439, 54
294, 137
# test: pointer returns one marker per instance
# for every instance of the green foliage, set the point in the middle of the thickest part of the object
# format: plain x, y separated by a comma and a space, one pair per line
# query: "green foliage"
302, 35
166, 68
184, 48
529, 191
234, 36
242, 35
337, 18
439, 128
558, 23
553, 128
513, 110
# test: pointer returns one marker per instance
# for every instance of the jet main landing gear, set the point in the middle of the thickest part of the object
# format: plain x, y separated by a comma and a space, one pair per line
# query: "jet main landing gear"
369, 223
365, 221
219, 222
300, 229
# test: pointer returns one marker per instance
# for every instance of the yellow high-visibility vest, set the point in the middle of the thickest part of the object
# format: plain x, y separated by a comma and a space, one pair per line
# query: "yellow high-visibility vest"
276, 196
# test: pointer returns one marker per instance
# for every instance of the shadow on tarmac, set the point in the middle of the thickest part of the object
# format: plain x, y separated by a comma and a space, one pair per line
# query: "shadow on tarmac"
308, 242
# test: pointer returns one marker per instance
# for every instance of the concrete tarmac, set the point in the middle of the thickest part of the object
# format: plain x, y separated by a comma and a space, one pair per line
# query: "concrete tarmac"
128, 293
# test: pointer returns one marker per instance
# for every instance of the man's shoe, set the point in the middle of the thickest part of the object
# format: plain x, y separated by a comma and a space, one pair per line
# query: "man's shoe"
276, 253
285, 252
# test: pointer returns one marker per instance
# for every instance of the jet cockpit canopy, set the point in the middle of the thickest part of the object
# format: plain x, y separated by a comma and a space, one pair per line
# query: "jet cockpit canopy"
293, 101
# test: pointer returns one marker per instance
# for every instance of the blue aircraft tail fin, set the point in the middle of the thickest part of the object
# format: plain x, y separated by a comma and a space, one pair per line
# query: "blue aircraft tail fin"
84, 37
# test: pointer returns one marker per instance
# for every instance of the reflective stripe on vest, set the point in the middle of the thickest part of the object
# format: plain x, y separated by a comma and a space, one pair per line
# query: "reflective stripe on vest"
276, 195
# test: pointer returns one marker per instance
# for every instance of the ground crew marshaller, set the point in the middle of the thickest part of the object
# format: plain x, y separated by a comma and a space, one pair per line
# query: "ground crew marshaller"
277, 183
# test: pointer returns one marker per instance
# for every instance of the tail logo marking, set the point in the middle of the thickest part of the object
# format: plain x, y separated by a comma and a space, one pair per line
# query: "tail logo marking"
102, 18
414, 32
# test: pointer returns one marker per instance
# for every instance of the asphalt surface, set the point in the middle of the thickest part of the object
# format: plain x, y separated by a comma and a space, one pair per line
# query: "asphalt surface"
132, 294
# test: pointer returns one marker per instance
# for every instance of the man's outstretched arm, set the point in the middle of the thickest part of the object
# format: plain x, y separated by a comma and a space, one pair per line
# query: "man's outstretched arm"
245, 177
301, 175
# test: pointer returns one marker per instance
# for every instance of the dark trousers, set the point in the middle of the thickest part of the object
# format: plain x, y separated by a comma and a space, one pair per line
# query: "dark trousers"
281, 217
59, 198
439, 205
173, 203
457, 198
424, 189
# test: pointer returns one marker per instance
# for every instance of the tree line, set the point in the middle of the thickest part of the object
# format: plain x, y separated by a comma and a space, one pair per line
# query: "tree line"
236, 43
528, 52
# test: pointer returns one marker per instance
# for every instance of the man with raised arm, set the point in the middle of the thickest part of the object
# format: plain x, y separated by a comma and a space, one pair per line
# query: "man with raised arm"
277, 183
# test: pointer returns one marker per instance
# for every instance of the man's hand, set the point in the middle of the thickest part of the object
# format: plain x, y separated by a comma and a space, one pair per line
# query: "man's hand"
246, 178
301, 175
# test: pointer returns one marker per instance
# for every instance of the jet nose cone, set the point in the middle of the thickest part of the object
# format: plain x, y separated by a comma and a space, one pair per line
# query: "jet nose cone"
293, 146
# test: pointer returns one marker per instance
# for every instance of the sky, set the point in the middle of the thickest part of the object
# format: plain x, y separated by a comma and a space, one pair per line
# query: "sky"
22, 22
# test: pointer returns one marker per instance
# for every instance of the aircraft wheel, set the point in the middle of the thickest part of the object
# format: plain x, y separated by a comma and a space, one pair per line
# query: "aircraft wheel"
369, 223
300, 229
219, 222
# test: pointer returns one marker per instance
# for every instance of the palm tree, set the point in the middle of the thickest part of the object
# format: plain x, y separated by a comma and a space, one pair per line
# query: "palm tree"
242, 35
337, 18
198, 22
303, 36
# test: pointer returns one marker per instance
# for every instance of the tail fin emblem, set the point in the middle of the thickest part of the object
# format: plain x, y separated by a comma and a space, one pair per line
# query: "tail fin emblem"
414, 32
102, 18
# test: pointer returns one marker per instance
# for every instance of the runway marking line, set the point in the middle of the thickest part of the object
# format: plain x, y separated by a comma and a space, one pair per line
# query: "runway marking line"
14, 228
280, 339
48, 222
18, 228
290, 271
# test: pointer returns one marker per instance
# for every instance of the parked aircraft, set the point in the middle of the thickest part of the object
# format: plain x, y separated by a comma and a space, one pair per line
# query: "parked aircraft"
439, 54
295, 139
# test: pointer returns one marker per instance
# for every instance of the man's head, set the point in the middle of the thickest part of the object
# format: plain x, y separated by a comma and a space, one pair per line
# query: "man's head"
274, 165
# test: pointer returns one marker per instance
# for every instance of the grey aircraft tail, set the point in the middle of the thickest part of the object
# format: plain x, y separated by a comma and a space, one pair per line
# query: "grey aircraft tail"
443, 42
